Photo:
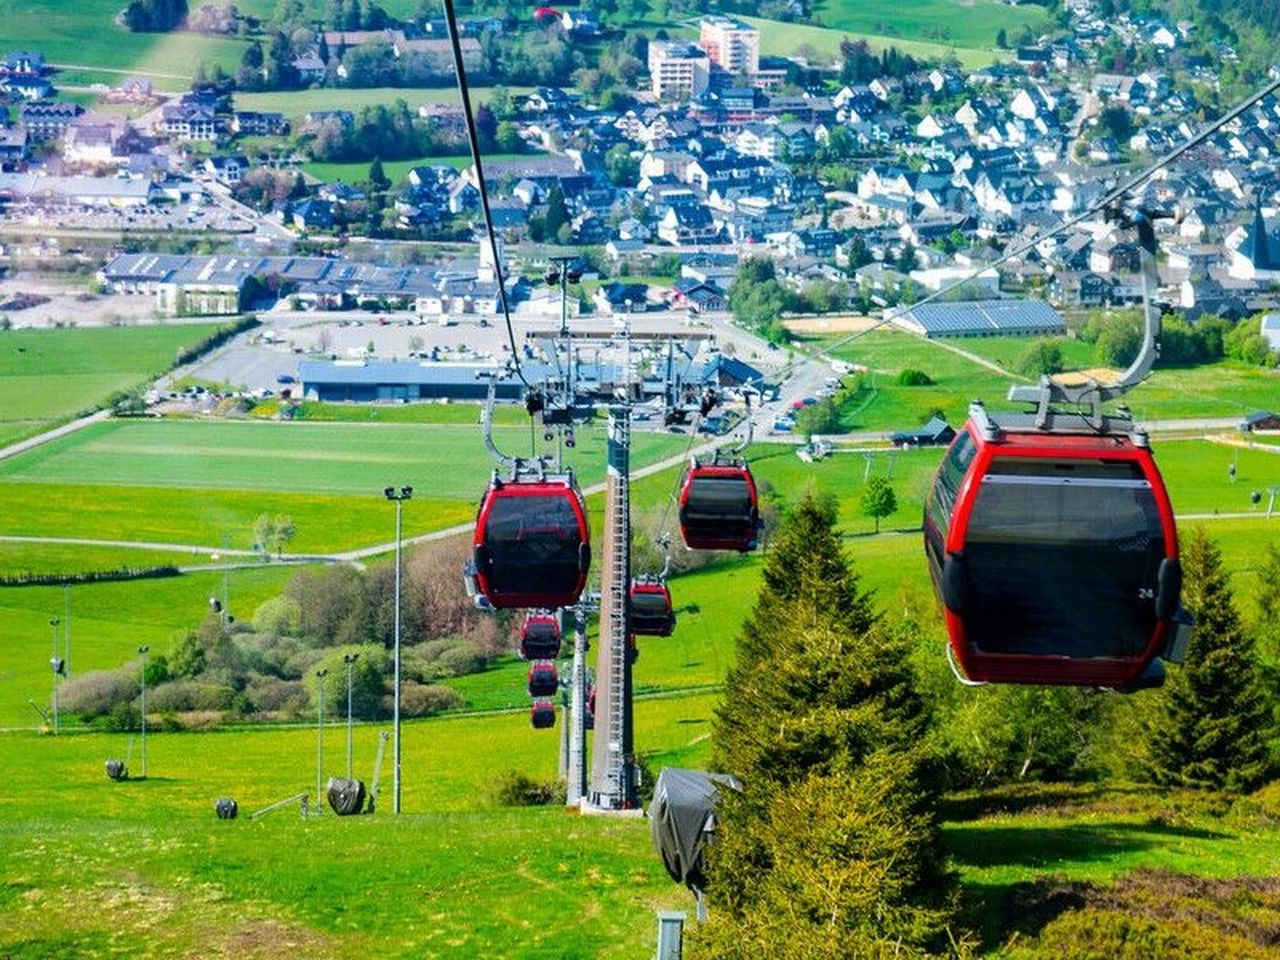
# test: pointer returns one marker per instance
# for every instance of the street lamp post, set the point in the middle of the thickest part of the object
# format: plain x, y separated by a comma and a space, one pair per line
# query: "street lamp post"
320, 675
350, 660
58, 666
398, 498
143, 651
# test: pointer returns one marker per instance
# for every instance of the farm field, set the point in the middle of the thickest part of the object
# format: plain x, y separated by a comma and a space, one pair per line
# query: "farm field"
47, 375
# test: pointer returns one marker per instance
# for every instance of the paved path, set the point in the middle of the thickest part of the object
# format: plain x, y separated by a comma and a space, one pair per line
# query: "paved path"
22, 446
1246, 445
130, 544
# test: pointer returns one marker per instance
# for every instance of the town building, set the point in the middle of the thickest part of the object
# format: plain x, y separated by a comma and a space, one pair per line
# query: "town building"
678, 70
731, 45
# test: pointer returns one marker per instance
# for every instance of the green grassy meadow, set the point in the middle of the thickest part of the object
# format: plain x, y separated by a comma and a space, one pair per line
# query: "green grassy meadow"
964, 23
1223, 389
84, 34
47, 375
782, 39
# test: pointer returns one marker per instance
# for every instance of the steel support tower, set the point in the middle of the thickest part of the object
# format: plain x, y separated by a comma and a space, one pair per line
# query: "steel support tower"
613, 784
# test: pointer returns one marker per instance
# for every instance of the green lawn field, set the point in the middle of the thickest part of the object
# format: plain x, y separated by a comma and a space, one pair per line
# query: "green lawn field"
54, 558
444, 461
781, 39
963, 23
1223, 389
84, 33
47, 375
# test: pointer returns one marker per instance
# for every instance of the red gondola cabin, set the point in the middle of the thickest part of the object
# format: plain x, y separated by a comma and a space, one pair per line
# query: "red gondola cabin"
542, 715
540, 637
532, 546
651, 611
719, 508
1055, 555
544, 680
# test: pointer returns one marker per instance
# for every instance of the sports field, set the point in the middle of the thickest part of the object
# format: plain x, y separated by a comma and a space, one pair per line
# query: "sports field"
47, 375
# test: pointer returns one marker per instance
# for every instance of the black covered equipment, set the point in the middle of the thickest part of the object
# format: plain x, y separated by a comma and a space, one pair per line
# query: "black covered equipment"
682, 819
346, 796
226, 808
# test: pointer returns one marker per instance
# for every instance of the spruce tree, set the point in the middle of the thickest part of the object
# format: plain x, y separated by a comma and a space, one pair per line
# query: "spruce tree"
1209, 726
832, 848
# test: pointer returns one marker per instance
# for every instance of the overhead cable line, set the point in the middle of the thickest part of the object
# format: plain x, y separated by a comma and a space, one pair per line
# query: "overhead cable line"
473, 138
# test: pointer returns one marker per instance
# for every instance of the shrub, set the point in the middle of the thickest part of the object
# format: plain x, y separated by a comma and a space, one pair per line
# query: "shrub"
425, 700
1040, 358
461, 659
279, 616
180, 696
95, 694
914, 378
515, 789
273, 695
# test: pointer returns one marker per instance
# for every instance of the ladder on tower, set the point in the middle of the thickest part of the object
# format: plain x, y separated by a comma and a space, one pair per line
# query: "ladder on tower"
616, 780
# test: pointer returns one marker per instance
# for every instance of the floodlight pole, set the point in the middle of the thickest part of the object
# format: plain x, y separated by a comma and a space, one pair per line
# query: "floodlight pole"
398, 497
320, 675
66, 628
143, 651
350, 660
57, 666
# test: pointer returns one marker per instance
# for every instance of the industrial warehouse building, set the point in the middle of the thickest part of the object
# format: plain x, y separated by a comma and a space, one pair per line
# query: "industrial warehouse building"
983, 318
365, 381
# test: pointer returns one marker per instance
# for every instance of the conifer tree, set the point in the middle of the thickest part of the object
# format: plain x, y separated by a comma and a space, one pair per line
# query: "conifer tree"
1209, 726
832, 848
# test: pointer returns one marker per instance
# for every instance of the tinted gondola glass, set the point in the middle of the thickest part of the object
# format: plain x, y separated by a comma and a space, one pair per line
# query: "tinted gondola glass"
532, 545
544, 681
651, 612
542, 715
540, 637
1055, 556
718, 508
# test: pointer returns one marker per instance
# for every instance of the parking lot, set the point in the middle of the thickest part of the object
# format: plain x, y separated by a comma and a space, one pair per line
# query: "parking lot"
160, 218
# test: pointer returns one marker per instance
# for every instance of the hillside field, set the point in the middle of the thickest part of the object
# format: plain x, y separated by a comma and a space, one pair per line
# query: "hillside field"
93, 868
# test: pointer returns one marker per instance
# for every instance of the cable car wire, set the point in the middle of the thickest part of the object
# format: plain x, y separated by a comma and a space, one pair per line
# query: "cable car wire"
473, 139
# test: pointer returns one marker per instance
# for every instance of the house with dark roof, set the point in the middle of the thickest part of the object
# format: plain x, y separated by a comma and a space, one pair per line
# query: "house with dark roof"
620, 297
1258, 255
936, 433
